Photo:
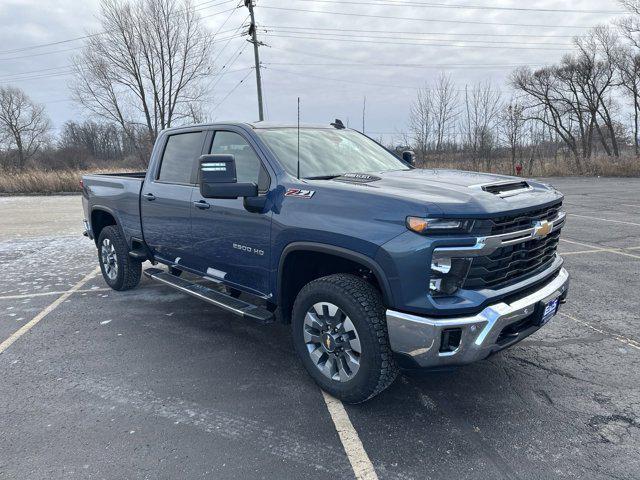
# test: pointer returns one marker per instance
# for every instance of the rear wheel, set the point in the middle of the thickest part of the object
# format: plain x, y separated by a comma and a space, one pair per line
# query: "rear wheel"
119, 270
340, 333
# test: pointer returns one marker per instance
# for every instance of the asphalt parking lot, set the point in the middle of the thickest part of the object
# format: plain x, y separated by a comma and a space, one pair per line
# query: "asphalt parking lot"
150, 383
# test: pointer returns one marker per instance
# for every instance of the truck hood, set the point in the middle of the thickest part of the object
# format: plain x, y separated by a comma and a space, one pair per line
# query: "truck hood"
453, 192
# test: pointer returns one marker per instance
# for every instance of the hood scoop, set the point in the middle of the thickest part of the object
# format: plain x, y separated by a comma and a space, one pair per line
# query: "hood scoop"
357, 178
505, 189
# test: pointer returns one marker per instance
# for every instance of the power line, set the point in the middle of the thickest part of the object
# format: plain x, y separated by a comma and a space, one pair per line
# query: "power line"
354, 82
232, 90
229, 63
349, 62
389, 17
349, 35
350, 81
77, 48
439, 66
324, 39
404, 3
307, 29
84, 37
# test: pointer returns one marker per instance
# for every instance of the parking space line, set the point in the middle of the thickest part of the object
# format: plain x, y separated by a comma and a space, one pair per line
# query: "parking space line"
628, 341
595, 248
604, 219
357, 455
45, 294
599, 250
47, 310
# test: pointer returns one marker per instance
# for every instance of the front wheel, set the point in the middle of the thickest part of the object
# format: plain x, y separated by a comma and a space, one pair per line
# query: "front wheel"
340, 334
119, 270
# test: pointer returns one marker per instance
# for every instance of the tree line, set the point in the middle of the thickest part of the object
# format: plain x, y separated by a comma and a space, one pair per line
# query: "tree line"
585, 106
150, 67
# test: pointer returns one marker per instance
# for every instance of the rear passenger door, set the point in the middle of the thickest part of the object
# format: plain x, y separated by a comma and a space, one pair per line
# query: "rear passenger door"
233, 244
166, 198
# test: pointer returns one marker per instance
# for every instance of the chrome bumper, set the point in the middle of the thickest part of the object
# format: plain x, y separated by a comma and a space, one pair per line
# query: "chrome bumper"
420, 337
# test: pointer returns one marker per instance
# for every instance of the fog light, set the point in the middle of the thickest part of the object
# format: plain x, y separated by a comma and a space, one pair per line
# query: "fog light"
447, 275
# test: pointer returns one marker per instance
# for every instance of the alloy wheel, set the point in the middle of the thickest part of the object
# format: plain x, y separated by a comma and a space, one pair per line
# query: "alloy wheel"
109, 259
332, 341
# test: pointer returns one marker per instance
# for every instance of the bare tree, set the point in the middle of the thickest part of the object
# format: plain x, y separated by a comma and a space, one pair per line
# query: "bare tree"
553, 99
147, 67
24, 125
596, 71
444, 109
512, 129
421, 123
479, 122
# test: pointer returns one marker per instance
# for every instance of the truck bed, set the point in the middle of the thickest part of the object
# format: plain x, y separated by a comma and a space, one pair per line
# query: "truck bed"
115, 192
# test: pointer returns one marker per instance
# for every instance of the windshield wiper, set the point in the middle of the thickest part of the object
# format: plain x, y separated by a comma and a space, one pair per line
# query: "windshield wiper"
323, 177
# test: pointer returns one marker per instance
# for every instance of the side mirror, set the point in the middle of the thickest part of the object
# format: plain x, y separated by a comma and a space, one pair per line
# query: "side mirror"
409, 157
217, 178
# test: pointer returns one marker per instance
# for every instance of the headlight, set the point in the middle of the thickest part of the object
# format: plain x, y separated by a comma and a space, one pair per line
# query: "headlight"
438, 225
448, 275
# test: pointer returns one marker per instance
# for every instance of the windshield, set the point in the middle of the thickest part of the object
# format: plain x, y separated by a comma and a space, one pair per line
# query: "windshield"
327, 153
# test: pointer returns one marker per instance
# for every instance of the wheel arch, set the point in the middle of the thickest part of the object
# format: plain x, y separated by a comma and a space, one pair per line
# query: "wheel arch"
103, 217
333, 260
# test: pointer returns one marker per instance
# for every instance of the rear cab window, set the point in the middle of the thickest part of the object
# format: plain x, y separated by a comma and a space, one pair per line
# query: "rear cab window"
180, 155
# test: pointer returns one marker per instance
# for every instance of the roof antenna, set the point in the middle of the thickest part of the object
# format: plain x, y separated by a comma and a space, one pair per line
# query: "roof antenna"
298, 138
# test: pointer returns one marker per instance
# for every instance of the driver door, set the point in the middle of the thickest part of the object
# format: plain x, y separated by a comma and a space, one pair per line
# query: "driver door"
232, 244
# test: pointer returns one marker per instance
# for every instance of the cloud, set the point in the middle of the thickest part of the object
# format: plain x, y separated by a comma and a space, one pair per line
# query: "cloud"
330, 60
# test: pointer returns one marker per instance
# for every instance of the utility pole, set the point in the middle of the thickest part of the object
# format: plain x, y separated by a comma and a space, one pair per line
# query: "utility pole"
254, 39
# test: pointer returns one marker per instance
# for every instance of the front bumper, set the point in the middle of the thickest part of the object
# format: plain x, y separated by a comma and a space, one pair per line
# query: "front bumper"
420, 338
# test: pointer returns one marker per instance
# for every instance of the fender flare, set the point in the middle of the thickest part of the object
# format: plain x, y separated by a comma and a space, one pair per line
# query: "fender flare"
102, 208
345, 253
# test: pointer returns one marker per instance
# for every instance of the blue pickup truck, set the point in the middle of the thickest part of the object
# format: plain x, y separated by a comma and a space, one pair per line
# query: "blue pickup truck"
376, 265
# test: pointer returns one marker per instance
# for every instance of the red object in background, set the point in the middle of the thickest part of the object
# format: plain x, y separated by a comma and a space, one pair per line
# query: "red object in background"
518, 169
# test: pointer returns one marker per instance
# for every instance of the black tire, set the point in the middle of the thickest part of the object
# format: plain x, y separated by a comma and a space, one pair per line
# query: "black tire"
128, 270
362, 303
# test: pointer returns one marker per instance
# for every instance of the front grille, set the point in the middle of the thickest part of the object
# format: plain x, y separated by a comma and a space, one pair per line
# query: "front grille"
514, 223
512, 263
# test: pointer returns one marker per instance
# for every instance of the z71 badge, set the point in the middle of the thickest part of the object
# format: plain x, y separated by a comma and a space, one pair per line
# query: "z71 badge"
296, 192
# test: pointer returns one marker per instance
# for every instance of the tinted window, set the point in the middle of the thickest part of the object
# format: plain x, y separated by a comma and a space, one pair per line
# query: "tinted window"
179, 156
247, 162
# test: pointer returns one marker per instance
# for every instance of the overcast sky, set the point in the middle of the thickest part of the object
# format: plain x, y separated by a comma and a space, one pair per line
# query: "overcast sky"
331, 76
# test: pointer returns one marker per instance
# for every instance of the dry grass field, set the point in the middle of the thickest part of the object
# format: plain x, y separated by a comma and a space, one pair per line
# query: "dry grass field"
45, 182
36, 181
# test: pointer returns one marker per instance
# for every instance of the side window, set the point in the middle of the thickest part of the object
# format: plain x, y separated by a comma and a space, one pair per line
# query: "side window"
248, 166
180, 153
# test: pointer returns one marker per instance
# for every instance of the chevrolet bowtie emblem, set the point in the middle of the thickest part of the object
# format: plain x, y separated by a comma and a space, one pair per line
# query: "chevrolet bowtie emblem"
327, 342
542, 229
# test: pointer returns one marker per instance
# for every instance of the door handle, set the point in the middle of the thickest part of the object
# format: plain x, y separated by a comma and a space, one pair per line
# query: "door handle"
201, 204
149, 196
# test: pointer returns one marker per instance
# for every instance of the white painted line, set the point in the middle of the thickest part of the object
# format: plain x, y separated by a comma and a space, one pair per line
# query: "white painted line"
35, 320
599, 250
45, 294
604, 219
630, 205
595, 248
628, 341
360, 462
